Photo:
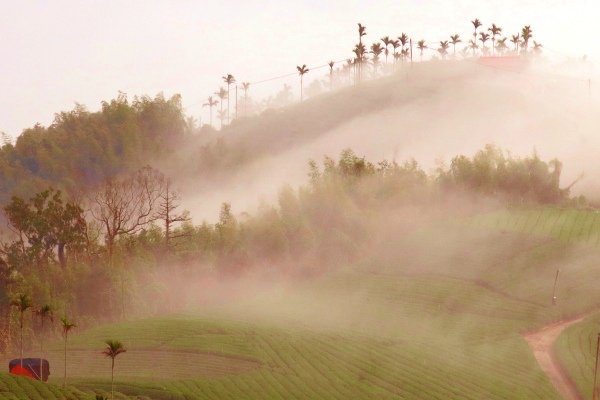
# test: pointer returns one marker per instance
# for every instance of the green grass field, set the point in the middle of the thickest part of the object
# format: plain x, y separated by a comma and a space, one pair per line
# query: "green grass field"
445, 323
576, 350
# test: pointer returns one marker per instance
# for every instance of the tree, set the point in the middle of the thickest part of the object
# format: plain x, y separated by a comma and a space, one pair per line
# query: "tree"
537, 47
45, 226
403, 39
167, 213
476, 24
501, 45
245, 87
443, 49
331, 65
22, 303
526, 35
302, 70
222, 116
421, 46
473, 46
229, 80
495, 31
67, 326
483, 37
515, 39
360, 52
113, 349
455, 39
395, 44
44, 312
125, 206
210, 104
222, 95
376, 50
362, 31
386, 42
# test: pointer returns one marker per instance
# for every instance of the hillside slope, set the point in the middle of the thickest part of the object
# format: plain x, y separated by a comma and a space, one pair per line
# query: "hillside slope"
430, 112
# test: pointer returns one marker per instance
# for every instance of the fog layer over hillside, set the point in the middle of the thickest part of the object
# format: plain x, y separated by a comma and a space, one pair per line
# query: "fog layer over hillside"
430, 112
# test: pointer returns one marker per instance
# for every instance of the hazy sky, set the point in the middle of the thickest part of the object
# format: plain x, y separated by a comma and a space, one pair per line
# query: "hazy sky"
55, 53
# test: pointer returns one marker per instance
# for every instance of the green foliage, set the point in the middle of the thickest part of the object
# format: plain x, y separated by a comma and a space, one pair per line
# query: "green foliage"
493, 173
81, 148
45, 226
113, 348
576, 349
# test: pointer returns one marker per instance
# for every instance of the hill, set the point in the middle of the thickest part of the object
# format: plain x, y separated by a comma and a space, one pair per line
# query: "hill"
447, 322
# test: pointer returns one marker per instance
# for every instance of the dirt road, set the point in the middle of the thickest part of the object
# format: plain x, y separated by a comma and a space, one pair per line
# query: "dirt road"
541, 342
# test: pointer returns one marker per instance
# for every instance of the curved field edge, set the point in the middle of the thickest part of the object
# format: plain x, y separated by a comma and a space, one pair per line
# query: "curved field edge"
419, 348
576, 350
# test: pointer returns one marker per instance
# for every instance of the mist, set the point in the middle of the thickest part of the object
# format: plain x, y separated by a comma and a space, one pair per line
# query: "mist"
433, 112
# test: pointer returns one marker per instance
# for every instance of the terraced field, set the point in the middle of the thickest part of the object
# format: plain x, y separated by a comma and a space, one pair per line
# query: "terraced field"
576, 350
349, 336
16, 388
447, 322
566, 224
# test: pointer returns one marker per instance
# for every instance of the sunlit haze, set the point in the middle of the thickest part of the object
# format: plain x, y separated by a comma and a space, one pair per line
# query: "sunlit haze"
61, 52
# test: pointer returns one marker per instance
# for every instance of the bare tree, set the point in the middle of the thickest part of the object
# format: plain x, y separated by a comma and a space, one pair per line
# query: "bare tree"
125, 206
167, 213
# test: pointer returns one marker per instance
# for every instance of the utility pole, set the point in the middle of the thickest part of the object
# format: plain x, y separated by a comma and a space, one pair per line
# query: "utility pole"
595, 391
411, 51
555, 286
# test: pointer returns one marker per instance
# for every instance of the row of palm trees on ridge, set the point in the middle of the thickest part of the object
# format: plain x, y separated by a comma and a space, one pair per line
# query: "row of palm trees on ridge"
402, 50
23, 303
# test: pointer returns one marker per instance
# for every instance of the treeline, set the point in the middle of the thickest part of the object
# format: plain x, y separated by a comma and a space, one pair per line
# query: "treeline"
105, 262
82, 148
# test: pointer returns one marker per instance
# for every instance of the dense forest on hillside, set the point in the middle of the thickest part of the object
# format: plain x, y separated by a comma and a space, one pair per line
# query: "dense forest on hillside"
82, 148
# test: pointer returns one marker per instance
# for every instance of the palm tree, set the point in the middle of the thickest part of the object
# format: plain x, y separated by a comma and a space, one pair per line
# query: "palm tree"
405, 53
501, 45
43, 312
483, 37
476, 24
526, 34
395, 44
473, 46
245, 87
67, 326
386, 41
302, 70
362, 31
210, 104
455, 39
515, 40
537, 47
376, 50
443, 49
113, 349
222, 94
331, 65
222, 116
494, 30
229, 80
403, 41
421, 46
360, 51
22, 303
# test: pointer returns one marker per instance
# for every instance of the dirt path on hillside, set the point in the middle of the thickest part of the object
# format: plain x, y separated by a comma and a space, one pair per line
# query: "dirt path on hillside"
541, 342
